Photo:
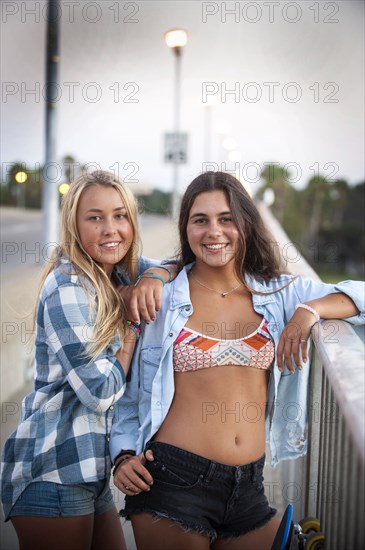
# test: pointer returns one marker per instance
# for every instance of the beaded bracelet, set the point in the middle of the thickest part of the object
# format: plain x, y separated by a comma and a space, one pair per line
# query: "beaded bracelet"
135, 327
124, 452
309, 308
150, 276
168, 271
122, 457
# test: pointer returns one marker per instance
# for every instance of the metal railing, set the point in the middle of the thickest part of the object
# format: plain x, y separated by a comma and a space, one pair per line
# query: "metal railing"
329, 481
336, 455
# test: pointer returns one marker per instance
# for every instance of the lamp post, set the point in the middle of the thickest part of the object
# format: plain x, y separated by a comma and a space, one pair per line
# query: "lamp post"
208, 105
176, 39
21, 177
50, 194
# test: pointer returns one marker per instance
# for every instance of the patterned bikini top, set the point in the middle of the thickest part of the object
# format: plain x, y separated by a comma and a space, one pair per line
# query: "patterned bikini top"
194, 351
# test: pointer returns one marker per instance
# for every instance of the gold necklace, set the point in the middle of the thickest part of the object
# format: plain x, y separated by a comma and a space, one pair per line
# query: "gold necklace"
223, 294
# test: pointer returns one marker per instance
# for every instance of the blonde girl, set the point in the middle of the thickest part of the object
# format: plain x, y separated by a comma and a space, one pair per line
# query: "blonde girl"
56, 464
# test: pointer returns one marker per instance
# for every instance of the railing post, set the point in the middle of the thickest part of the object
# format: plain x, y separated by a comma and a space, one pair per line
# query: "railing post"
314, 426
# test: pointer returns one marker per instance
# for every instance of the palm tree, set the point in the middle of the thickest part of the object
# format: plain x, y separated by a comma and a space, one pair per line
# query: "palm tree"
315, 194
69, 161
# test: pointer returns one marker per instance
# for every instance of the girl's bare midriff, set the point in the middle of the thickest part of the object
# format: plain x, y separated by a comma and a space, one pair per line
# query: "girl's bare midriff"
217, 415
219, 412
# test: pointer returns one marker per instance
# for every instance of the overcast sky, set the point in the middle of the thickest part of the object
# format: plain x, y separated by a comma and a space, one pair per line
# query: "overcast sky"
296, 70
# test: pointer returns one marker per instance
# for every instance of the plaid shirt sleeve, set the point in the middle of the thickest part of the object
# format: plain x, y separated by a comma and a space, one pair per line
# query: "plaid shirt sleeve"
67, 327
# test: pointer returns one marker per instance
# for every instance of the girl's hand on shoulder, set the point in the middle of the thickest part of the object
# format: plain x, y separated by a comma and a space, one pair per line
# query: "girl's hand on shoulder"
131, 477
142, 301
145, 298
293, 342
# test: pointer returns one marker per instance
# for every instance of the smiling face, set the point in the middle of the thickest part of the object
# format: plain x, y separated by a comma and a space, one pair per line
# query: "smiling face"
213, 236
105, 231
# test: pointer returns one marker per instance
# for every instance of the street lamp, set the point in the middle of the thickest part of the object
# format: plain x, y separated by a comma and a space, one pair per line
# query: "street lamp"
21, 177
176, 39
63, 188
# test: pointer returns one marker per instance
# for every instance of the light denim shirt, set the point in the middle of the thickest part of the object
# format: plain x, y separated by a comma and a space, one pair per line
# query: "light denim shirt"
150, 391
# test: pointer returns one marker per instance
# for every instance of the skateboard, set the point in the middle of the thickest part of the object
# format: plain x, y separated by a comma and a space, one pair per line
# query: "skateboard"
303, 535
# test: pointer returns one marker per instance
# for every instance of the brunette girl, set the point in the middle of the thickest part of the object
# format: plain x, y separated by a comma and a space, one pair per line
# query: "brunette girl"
227, 351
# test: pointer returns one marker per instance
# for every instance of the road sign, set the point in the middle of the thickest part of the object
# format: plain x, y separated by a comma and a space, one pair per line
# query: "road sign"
176, 145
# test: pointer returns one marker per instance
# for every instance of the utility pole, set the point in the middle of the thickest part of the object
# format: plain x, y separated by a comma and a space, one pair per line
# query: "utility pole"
50, 235
176, 39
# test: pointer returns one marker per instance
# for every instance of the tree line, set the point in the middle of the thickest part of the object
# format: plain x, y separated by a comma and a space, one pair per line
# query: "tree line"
325, 219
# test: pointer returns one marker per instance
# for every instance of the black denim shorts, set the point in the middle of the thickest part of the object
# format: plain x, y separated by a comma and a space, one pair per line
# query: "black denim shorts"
214, 499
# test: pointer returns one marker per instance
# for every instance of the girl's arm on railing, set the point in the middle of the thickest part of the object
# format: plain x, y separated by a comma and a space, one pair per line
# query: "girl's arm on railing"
334, 306
294, 338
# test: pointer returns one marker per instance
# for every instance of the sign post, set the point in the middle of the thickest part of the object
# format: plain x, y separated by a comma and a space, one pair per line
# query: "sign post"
175, 154
176, 145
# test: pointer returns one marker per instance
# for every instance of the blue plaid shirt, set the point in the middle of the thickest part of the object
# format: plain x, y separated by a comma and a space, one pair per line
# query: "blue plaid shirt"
65, 425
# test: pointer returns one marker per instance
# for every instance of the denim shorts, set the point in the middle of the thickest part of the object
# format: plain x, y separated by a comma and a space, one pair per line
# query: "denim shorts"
201, 495
48, 499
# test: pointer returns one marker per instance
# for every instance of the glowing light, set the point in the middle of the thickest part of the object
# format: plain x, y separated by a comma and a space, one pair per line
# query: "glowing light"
176, 38
21, 177
63, 188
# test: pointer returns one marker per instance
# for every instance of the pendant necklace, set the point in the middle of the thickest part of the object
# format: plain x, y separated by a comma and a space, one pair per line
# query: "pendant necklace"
222, 294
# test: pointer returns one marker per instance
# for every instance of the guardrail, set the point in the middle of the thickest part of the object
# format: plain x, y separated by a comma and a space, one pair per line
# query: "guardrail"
336, 454
329, 482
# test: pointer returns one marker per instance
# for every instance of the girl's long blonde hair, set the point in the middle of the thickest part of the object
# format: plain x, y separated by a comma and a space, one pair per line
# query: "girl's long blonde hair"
109, 309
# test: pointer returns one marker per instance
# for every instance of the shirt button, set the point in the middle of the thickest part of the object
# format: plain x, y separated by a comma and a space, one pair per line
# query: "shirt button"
108, 438
112, 408
158, 403
171, 334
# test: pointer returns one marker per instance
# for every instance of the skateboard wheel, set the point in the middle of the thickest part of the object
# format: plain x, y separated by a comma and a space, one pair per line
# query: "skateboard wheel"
315, 541
310, 525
